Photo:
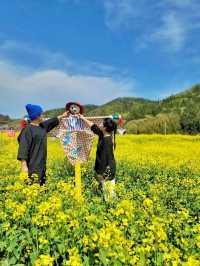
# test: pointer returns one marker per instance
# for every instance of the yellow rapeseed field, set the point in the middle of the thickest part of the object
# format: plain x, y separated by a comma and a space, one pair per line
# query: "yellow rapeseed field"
153, 220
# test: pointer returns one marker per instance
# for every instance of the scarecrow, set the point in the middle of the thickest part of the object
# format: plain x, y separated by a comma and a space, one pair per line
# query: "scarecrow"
77, 138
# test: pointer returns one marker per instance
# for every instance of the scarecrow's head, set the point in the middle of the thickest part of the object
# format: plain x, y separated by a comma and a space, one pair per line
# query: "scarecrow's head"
74, 108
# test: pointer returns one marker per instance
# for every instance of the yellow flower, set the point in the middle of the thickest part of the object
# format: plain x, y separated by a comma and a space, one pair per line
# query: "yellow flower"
85, 240
192, 261
61, 216
42, 240
148, 203
125, 222
198, 241
74, 224
95, 237
44, 260
134, 260
125, 209
23, 176
121, 231
19, 211
74, 258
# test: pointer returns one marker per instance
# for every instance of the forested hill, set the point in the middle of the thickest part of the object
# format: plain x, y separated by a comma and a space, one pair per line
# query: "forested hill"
177, 113
174, 114
4, 119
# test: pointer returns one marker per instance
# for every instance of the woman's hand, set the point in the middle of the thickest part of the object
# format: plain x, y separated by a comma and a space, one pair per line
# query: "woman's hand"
88, 122
64, 115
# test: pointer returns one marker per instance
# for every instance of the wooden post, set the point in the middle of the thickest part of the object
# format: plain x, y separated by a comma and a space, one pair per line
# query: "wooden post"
78, 192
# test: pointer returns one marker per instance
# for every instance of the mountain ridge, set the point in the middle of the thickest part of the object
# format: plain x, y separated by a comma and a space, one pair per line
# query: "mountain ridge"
178, 113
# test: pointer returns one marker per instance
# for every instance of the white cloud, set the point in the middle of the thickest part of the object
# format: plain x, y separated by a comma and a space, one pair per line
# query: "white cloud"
173, 32
45, 59
53, 88
119, 13
169, 23
20, 50
55, 80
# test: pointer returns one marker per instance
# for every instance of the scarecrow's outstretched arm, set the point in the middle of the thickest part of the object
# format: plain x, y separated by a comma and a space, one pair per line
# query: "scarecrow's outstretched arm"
99, 117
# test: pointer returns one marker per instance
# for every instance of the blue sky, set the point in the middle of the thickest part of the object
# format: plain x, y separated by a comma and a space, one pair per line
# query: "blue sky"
92, 51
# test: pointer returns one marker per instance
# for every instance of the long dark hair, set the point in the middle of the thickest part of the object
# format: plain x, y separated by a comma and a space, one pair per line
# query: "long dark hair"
110, 126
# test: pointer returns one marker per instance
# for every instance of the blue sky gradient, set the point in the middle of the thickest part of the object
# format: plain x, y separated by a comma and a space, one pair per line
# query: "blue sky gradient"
92, 51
